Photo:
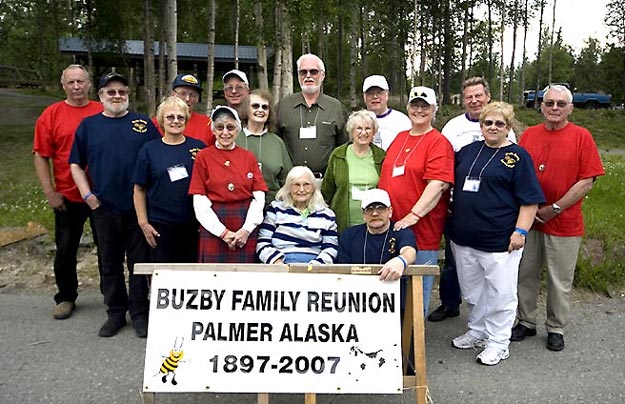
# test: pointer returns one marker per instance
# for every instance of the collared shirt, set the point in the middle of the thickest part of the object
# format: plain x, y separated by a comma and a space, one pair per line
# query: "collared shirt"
327, 115
463, 130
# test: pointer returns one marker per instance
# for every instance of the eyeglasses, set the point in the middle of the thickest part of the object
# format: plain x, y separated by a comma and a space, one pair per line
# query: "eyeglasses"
192, 95
312, 72
378, 207
232, 89
366, 129
418, 106
499, 124
265, 107
230, 127
551, 103
122, 92
180, 118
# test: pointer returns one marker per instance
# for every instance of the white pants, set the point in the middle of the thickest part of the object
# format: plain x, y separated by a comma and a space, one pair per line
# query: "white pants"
488, 282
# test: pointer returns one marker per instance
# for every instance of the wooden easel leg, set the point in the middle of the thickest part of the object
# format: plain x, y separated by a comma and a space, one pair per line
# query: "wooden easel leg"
406, 332
262, 398
148, 398
310, 398
418, 325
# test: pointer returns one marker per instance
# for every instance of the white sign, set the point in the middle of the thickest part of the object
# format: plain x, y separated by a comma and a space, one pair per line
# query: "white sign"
273, 333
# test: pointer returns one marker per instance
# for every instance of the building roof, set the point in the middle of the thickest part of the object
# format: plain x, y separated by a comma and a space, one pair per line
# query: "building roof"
186, 50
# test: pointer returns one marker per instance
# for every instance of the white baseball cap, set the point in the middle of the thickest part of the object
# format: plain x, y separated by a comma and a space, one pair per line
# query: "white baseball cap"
375, 80
422, 93
222, 109
238, 73
375, 195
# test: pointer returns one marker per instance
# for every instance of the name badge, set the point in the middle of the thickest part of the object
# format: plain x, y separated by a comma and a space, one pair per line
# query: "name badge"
176, 173
471, 184
398, 170
308, 133
357, 194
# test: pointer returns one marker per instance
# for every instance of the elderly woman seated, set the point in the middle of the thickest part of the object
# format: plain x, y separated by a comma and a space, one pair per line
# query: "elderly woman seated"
299, 227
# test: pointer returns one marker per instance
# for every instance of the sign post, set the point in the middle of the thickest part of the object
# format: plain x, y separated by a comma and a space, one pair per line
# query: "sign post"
281, 329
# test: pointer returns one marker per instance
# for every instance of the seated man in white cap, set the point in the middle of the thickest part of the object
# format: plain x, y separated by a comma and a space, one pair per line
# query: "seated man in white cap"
375, 92
236, 88
375, 241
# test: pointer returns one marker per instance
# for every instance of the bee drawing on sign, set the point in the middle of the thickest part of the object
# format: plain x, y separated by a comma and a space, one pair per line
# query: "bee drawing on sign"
171, 362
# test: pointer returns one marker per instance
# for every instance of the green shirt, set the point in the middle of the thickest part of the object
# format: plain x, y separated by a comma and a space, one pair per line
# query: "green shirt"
362, 176
273, 159
327, 115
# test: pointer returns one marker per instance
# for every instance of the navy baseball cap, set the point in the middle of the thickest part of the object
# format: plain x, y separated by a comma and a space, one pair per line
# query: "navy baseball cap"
187, 80
112, 76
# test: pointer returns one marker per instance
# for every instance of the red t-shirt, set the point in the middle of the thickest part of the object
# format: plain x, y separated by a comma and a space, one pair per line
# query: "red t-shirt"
426, 157
54, 136
562, 158
198, 127
226, 175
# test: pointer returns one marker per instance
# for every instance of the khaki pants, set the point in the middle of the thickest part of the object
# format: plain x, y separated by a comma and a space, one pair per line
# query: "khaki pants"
559, 256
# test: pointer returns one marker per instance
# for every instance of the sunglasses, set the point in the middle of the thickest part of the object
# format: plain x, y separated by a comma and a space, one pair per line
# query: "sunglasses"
499, 124
230, 127
304, 72
378, 207
560, 104
265, 107
180, 118
122, 92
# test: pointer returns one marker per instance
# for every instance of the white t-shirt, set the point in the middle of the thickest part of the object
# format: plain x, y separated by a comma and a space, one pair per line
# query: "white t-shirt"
462, 130
391, 123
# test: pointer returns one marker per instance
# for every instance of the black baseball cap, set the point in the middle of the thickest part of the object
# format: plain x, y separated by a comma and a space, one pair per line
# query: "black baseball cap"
112, 76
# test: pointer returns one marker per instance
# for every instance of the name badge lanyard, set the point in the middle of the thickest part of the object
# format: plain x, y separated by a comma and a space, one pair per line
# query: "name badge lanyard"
472, 184
301, 118
400, 169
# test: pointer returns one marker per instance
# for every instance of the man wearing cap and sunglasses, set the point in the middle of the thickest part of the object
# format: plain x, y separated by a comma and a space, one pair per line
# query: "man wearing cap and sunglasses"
188, 88
375, 92
376, 241
108, 144
311, 123
236, 88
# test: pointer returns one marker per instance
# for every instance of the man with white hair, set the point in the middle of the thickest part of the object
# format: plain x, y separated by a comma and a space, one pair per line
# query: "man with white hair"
376, 93
311, 123
567, 163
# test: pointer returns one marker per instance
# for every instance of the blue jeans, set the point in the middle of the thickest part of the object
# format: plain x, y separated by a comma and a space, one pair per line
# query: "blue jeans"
423, 258
298, 258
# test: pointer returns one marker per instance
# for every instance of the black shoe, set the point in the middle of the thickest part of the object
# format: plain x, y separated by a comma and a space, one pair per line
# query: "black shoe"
519, 332
140, 324
442, 312
112, 326
555, 342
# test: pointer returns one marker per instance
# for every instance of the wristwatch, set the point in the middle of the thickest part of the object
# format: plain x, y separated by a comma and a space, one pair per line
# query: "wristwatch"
556, 208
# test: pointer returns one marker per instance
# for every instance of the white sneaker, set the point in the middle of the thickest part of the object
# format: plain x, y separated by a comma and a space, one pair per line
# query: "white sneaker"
468, 341
492, 356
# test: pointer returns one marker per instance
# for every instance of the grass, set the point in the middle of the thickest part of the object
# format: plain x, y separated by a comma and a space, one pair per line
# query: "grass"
600, 265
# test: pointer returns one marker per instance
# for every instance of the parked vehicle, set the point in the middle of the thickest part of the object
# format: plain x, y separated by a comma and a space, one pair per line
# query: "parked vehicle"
580, 100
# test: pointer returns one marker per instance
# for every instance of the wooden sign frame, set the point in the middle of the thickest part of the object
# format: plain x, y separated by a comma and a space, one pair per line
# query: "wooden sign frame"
413, 311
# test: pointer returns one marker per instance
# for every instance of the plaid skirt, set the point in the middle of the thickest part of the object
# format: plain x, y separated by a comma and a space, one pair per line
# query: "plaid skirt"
212, 249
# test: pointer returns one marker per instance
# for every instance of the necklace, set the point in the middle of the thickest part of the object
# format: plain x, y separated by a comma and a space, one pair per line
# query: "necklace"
485, 165
409, 151
364, 249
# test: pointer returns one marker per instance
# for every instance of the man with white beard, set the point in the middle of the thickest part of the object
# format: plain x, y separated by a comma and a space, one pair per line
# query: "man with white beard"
311, 123
108, 143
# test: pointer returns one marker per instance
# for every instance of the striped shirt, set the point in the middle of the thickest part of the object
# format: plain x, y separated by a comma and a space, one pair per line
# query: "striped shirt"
287, 230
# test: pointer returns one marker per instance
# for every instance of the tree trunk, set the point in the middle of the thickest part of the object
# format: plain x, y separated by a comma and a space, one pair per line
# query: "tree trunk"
540, 34
448, 53
287, 53
553, 33
363, 40
352, 58
490, 42
339, 55
172, 39
148, 60
515, 23
162, 50
320, 32
236, 33
501, 65
277, 66
210, 71
523, 56
465, 41
261, 47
